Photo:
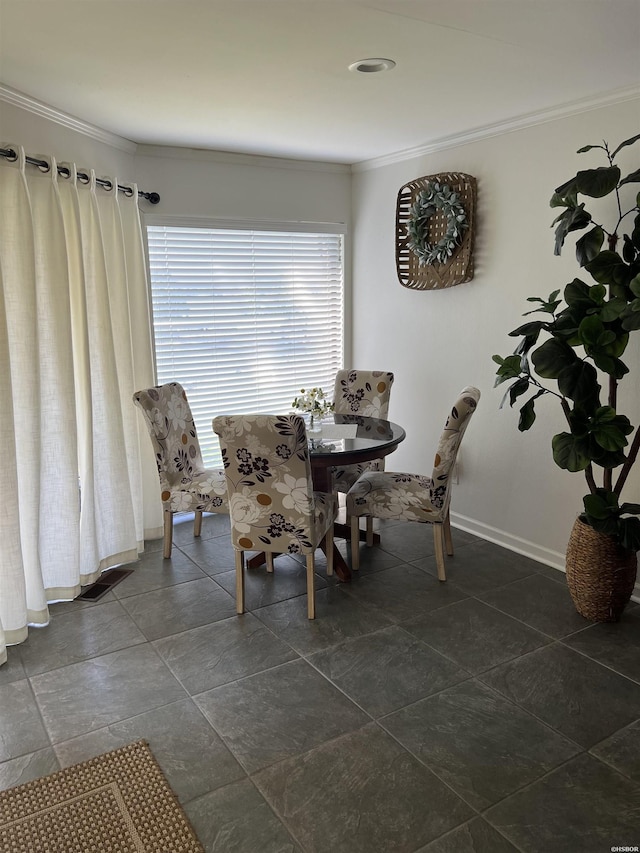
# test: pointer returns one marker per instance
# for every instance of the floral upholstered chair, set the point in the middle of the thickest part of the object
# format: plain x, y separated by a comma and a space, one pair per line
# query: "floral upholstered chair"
185, 484
272, 504
412, 497
360, 392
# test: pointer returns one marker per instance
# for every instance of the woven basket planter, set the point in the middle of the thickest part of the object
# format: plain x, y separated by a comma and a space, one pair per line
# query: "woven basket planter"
600, 574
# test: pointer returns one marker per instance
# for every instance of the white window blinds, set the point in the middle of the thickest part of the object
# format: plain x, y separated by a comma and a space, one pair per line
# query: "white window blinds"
244, 319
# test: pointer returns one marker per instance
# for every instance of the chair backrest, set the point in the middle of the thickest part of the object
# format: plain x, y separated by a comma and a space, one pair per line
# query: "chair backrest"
173, 433
449, 444
363, 392
266, 462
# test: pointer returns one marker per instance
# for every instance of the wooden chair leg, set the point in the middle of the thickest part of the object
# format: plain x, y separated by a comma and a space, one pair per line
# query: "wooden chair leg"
355, 542
269, 557
329, 549
438, 541
311, 587
447, 535
239, 582
370, 531
168, 533
197, 523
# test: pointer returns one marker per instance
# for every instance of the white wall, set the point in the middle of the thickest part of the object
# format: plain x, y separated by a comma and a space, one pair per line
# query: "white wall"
108, 155
436, 342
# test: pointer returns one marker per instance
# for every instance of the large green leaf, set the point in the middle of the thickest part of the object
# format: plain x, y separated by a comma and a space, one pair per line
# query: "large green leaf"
599, 182
630, 533
610, 437
514, 391
612, 309
631, 321
518, 389
590, 330
601, 505
629, 251
579, 382
589, 245
569, 452
607, 267
568, 190
577, 294
527, 412
551, 358
573, 219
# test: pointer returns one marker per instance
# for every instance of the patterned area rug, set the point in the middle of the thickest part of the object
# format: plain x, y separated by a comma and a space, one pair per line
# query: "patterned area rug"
119, 802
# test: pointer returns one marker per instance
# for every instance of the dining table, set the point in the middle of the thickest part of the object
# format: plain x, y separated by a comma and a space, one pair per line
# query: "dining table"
347, 440
334, 442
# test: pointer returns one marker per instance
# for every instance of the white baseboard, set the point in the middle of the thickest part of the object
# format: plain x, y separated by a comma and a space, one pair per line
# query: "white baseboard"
514, 543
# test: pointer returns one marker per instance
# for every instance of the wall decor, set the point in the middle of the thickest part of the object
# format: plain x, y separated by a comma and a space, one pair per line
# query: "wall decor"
435, 225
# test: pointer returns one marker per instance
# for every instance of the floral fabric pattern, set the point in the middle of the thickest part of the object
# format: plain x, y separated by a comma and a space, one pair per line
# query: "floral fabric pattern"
268, 474
185, 484
360, 392
412, 497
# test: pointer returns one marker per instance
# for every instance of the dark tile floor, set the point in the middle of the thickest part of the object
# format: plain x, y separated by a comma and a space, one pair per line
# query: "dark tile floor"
483, 715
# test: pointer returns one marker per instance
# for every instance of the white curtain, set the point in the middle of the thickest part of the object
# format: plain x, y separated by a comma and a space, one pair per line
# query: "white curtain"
75, 343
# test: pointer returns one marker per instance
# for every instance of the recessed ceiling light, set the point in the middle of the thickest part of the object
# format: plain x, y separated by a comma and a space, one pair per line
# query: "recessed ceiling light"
372, 66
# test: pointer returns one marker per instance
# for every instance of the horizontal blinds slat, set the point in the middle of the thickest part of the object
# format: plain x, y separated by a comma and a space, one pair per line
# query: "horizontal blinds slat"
245, 319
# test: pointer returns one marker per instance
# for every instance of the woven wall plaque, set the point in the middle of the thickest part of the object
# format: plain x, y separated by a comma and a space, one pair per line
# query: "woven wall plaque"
459, 267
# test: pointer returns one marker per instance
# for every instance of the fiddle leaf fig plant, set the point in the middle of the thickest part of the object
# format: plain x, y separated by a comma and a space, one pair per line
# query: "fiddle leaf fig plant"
574, 350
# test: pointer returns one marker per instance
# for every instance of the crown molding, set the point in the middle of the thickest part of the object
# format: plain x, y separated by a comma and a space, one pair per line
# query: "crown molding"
26, 102
522, 122
232, 158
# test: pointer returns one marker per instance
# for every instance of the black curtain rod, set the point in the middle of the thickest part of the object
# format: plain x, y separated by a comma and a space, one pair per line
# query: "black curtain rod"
10, 154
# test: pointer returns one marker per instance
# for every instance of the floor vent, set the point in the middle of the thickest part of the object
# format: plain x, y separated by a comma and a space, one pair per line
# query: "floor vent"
107, 581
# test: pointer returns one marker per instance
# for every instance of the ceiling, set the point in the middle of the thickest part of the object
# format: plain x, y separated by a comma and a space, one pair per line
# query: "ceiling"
271, 77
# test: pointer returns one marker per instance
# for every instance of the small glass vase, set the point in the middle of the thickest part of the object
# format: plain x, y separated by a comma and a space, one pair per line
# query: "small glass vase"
314, 423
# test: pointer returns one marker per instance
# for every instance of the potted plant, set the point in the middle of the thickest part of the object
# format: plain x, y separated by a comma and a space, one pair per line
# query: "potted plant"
313, 402
574, 354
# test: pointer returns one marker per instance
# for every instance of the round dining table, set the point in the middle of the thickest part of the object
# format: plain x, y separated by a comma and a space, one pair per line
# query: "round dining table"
347, 440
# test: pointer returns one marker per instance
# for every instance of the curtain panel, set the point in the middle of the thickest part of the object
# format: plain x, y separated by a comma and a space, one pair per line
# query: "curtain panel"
75, 343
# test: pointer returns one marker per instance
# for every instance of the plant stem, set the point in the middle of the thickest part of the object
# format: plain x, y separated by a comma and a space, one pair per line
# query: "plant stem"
626, 468
588, 473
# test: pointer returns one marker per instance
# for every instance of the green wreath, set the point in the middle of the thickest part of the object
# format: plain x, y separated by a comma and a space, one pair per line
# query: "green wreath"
436, 197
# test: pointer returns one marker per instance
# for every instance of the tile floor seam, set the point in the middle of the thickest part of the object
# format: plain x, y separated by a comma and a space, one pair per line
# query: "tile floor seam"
598, 662
522, 621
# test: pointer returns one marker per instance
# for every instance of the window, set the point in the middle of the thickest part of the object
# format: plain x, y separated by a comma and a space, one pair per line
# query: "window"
244, 319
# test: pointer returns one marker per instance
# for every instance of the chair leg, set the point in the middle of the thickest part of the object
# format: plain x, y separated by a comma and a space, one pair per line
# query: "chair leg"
369, 519
239, 582
328, 539
311, 587
269, 558
438, 541
355, 542
197, 523
168, 533
447, 535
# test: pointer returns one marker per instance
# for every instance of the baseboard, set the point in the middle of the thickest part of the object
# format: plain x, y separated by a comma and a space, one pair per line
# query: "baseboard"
515, 543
